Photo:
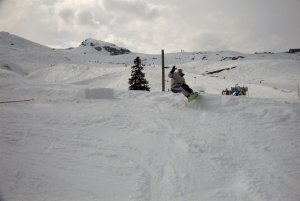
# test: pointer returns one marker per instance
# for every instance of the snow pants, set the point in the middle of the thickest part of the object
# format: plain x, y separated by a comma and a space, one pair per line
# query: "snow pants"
184, 89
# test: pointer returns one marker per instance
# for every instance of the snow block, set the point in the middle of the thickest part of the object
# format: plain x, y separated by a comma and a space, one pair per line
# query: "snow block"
99, 93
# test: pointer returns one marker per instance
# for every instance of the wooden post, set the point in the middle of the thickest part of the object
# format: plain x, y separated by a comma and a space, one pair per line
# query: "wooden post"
298, 91
163, 69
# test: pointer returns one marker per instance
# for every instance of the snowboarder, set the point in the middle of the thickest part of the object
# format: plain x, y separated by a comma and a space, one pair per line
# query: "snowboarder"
178, 83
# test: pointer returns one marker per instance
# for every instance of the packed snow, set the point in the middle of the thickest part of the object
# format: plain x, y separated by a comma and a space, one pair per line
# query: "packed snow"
85, 136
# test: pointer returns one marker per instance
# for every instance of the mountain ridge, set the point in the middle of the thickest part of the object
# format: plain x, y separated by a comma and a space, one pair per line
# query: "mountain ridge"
13, 41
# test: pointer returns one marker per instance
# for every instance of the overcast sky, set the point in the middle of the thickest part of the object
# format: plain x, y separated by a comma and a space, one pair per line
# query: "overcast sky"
147, 26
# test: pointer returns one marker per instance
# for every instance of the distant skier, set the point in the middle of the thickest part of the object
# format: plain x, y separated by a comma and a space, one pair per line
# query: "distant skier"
178, 83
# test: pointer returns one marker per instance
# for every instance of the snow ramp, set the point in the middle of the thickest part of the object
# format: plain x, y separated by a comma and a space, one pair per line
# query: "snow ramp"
99, 93
205, 102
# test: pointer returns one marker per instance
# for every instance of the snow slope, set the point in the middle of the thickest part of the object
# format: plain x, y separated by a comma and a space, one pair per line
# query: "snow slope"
86, 137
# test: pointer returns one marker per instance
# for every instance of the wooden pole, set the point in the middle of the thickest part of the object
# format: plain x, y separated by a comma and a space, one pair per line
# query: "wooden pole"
298, 91
163, 69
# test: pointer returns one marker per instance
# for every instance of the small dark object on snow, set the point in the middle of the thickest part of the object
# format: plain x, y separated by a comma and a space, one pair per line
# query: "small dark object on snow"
236, 91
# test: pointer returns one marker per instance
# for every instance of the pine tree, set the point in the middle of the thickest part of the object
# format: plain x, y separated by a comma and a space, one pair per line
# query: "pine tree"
137, 80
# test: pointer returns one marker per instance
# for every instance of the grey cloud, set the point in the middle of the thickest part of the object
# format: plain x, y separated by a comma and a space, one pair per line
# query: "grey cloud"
3, 1
67, 15
209, 41
81, 17
48, 2
136, 8
192, 25
85, 17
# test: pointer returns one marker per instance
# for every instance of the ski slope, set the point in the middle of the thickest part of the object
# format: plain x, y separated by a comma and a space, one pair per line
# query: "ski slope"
86, 137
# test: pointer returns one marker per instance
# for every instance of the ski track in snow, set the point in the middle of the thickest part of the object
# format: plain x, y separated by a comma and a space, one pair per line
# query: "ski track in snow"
156, 156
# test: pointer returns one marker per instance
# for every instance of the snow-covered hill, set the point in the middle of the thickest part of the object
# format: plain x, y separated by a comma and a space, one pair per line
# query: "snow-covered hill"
268, 75
86, 137
92, 45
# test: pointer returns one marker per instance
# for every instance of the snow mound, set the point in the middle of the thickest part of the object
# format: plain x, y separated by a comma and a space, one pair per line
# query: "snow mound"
99, 93
12, 67
206, 102
10, 78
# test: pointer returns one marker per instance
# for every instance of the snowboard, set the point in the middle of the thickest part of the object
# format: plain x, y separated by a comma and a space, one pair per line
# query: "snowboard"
193, 96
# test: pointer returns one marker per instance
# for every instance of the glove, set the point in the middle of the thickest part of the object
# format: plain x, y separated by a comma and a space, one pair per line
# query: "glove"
173, 69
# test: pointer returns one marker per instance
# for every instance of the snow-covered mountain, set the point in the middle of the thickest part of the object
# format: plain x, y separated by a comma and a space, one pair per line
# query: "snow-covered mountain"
25, 52
81, 135
92, 45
